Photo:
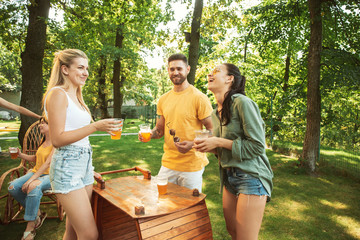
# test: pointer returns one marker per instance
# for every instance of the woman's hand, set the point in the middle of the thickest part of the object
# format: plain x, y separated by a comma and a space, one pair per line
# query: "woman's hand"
107, 125
206, 144
25, 186
140, 137
97, 175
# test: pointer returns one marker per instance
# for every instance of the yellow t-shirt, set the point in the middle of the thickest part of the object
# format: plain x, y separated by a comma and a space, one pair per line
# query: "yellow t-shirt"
41, 155
183, 111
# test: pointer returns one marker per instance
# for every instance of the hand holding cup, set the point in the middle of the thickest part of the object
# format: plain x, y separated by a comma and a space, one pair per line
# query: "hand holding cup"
145, 132
201, 134
118, 125
14, 152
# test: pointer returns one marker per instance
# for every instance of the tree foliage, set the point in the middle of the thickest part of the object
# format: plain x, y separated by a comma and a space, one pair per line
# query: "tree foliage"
268, 41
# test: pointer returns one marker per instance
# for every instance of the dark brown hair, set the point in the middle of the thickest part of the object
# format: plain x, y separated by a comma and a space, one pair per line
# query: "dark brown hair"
238, 86
178, 56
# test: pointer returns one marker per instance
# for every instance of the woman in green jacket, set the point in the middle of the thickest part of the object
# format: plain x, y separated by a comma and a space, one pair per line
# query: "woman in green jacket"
239, 143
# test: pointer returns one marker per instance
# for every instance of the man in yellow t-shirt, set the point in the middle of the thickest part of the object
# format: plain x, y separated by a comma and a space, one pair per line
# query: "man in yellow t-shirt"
182, 110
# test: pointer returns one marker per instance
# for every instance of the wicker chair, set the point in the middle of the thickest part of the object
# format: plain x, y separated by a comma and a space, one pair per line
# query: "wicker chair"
12, 208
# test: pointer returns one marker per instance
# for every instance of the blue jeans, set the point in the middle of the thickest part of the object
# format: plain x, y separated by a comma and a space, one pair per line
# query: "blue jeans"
31, 201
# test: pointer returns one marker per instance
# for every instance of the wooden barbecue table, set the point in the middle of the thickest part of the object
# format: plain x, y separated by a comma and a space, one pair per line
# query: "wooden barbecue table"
130, 208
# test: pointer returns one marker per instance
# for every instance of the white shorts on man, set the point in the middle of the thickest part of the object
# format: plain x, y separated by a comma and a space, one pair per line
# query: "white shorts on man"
189, 180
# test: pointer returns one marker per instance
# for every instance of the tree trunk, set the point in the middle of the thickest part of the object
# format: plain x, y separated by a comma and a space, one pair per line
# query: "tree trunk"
355, 138
246, 44
101, 88
313, 115
32, 62
118, 98
195, 40
287, 72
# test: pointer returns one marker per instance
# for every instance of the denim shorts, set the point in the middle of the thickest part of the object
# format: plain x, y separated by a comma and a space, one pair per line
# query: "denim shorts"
71, 168
237, 181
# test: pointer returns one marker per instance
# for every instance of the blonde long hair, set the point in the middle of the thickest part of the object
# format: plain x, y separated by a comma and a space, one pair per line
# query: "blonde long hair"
57, 77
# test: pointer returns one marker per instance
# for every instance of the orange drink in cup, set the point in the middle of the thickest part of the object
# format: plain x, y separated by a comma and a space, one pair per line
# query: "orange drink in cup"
13, 152
146, 136
162, 183
145, 132
117, 133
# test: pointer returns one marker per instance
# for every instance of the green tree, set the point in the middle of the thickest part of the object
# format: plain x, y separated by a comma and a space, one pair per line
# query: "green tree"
116, 32
13, 25
313, 115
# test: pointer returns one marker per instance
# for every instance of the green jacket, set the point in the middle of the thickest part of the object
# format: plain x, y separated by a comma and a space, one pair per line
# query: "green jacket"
247, 130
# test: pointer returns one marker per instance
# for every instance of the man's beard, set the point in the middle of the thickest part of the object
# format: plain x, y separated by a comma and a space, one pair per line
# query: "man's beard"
178, 81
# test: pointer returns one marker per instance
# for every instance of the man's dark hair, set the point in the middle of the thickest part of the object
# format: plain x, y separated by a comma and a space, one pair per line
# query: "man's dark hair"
178, 56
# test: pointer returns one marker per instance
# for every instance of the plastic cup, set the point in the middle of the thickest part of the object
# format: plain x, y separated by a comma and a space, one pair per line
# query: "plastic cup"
162, 182
145, 132
13, 152
117, 134
201, 134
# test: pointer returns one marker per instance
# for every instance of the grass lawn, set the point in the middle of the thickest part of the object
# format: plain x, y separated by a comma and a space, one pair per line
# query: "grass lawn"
346, 162
302, 207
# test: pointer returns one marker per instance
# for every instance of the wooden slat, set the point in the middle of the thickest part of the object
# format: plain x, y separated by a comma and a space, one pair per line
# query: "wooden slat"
116, 224
205, 236
116, 217
201, 232
177, 231
112, 226
120, 232
151, 222
173, 228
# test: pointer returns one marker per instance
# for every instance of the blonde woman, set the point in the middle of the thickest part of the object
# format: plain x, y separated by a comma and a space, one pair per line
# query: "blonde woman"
71, 170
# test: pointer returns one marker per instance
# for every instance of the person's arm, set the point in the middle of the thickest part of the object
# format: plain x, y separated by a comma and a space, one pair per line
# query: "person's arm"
30, 158
39, 172
56, 104
207, 123
252, 144
210, 144
19, 109
186, 146
242, 148
159, 129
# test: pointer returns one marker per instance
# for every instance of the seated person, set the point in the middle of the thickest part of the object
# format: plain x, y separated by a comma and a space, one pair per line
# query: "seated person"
28, 189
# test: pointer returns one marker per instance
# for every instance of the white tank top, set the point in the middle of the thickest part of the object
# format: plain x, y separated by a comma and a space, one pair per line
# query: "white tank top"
75, 118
